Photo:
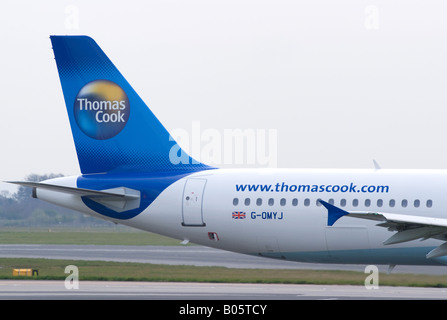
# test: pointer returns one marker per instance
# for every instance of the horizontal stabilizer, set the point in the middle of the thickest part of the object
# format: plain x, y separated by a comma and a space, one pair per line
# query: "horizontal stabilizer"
75, 191
118, 199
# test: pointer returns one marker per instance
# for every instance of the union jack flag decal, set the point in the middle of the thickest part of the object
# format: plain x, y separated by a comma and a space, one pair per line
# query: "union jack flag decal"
238, 215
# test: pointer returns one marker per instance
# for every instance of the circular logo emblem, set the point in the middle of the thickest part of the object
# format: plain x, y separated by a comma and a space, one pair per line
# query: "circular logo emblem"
101, 109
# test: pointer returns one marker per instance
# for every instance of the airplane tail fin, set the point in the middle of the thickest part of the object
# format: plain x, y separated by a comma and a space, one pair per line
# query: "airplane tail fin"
112, 127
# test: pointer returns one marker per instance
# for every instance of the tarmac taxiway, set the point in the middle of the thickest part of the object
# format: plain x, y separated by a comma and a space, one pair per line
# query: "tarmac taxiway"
110, 290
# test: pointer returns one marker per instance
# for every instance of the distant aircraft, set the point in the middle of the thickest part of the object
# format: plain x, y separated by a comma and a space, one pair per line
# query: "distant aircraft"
134, 173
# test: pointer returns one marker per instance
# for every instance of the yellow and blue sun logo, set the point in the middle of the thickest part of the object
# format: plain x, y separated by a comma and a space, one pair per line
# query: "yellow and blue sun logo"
101, 109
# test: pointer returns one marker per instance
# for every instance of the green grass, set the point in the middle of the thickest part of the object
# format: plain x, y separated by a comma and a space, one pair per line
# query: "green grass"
117, 271
99, 236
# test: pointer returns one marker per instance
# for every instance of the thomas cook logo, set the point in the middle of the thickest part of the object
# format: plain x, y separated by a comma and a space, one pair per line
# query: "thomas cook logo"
101, 109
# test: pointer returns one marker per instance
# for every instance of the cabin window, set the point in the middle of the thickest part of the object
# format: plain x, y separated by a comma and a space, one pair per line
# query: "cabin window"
404, 203
343, 202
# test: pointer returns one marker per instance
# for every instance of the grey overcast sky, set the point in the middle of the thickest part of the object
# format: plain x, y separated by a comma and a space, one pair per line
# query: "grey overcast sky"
341, 82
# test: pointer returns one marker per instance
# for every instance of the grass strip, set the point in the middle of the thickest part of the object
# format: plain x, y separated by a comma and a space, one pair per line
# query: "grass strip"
84, 237
50, 269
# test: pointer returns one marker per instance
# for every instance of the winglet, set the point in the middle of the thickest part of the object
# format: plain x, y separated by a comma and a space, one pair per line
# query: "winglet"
333, 213
376, 165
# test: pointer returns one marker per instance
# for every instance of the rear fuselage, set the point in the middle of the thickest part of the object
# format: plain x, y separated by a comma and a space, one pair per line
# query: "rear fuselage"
276, 213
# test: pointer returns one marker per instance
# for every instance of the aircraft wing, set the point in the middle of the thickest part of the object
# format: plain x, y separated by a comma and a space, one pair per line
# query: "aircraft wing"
408, 227
119, 199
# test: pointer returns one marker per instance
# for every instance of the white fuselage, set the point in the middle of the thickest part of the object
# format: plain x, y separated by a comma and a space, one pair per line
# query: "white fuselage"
275, 213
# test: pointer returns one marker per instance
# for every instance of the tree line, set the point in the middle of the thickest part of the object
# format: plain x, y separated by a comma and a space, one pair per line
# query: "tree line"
20, 209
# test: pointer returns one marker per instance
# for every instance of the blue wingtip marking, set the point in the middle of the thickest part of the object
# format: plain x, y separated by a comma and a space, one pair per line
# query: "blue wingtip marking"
333, 213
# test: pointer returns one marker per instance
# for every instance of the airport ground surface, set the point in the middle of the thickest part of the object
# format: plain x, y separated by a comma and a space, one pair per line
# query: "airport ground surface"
187, 255
182, 255
100, 290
